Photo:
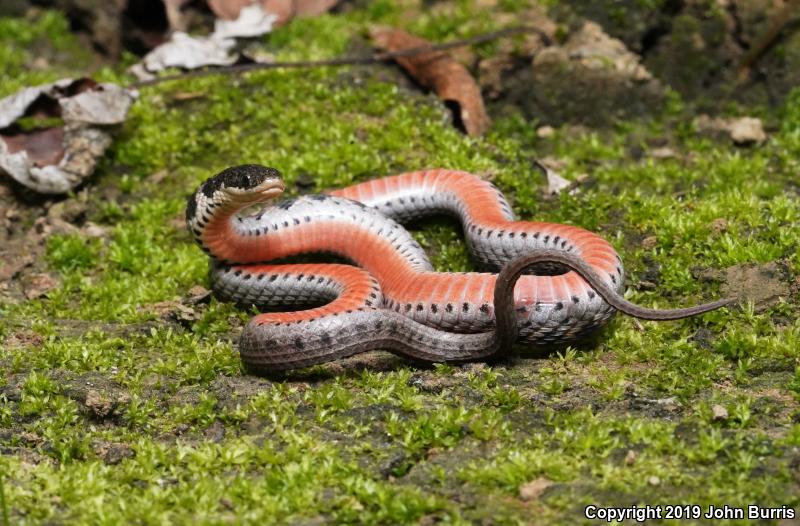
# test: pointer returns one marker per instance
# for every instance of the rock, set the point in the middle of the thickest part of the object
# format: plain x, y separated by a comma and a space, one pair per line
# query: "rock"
764, 285
630, 457
564, 82
747, 130
545, 132
533, 490
113, 452
654, 481
743, 131
663, 152
719, 413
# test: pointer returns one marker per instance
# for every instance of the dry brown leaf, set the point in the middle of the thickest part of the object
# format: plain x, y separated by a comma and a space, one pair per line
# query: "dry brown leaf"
285, 10
313, 7
228, 9
436, 70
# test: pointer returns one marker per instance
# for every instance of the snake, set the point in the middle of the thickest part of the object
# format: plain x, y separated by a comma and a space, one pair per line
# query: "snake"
540, 283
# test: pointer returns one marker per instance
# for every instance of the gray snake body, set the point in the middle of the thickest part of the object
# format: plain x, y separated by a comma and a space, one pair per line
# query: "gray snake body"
394, 299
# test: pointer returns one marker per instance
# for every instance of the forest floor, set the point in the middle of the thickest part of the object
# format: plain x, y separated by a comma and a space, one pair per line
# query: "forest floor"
122, 400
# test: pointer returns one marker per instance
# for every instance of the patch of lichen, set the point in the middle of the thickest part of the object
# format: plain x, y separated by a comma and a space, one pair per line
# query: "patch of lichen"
627, 417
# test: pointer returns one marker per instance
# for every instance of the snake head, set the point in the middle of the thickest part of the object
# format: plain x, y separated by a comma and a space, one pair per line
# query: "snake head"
234, 188
250, 183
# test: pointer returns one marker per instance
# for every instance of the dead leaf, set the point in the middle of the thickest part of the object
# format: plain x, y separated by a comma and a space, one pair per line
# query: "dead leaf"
436, 70
190, 52
38, 285
54, 157
555, 183
175, 16
283, 10
43, 147
534, 489
253, 20
228, 9
313, 7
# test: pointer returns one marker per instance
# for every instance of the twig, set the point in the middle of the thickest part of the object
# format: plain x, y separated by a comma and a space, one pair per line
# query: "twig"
776, 24
346, 61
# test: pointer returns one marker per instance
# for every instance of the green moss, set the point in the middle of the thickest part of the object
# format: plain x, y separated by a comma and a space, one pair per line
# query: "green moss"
624, 417
47, 36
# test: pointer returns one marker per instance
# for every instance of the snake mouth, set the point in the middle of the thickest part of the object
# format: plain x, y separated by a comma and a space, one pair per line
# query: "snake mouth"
270, 188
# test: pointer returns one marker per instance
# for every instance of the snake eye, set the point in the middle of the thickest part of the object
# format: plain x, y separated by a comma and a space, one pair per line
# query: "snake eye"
245, 179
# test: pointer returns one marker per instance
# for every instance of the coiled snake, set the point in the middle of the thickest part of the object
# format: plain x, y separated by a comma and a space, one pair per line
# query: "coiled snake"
393, 299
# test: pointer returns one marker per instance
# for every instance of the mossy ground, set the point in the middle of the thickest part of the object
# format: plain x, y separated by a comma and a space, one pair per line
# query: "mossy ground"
111, 413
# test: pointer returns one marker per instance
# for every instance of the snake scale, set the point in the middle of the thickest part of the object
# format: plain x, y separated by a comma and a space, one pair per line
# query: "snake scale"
392, 298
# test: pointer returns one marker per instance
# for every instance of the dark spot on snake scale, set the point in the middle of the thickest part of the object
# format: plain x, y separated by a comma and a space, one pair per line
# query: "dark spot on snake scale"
485, 308
465, 307
246, 277
546, 238
300, 277
320, 280
434, 308
420, 307
237, 273
326, 338
408, 307
511, 235
576, 299
273, 277
298, 342
296, 221
559, 306
591, 294
448, 307
613, 278
523, 235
